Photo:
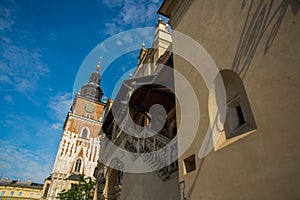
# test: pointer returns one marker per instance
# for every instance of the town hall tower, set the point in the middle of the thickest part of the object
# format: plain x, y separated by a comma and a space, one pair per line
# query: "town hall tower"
80, 144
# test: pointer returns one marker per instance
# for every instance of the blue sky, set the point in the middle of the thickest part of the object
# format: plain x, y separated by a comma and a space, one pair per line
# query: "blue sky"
42, 46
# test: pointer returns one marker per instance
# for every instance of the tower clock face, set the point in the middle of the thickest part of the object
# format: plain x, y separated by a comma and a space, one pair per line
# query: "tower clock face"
89, 107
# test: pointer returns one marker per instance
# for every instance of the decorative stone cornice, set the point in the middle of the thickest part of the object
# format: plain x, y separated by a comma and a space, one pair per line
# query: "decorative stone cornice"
83, 118
173, 9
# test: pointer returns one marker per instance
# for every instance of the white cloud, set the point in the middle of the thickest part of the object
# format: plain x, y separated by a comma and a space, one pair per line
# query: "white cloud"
112, 28
119, 43
18, 162
60, 104
128, 38
7, 122
123, 68
102, 47
30, 153
131, 14
8, 99
112, 3
24, 67
21, 63
7, 18
5, 79
57, 126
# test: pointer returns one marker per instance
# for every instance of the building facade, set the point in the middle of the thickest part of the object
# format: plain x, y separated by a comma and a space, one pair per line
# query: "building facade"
254, 152
16, 189
241, 61
146, 139
245, 144
79, 147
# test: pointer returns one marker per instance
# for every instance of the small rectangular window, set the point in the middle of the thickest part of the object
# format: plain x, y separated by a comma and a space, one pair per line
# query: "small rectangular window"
31, 195
2, 193
12, 193
20, 194
235, 119
189, 164
38, 196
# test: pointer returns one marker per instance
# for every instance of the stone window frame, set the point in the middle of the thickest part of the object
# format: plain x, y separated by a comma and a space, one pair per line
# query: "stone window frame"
20, 194
12, 193
189, 164
76, 170
236, 96
88, 132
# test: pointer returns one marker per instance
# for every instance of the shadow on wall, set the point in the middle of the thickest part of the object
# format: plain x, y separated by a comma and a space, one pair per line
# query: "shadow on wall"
261, 20
190, 192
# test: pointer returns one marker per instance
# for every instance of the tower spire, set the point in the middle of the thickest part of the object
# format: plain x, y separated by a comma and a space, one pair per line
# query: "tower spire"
99, 64
130, 75
92, 89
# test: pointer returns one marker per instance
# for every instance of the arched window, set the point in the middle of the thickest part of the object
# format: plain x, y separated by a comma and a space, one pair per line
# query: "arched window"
239, 120
85, 132
78, 165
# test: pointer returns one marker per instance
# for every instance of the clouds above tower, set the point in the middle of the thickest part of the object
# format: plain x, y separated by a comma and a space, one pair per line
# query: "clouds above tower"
60, 105
21, 59
130, 14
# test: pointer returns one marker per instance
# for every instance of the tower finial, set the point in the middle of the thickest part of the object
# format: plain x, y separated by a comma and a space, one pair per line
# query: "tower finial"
159, 19
130, 75
99, 64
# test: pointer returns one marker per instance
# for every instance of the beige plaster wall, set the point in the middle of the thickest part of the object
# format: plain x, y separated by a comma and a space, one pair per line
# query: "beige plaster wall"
149, 186
265, 164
